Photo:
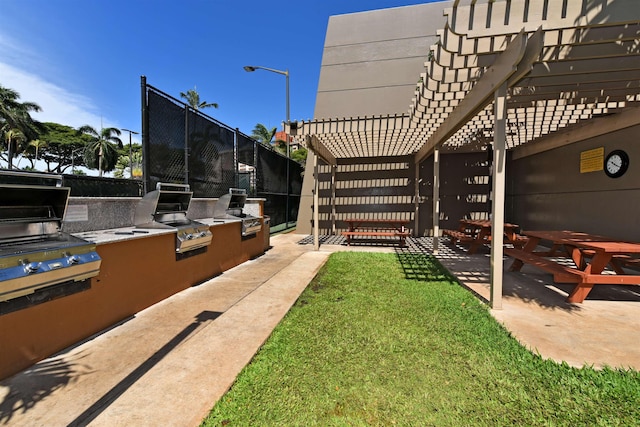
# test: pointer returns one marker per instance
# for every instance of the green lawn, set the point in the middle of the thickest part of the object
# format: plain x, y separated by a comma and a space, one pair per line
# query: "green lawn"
385, 339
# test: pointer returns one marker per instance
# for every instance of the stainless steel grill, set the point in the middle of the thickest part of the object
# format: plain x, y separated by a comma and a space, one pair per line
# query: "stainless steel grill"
34, 252
230, 206
167, 207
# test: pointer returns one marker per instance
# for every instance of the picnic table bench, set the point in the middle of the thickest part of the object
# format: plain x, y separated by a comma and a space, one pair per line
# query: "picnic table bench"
377, 228
476, 233
590, 255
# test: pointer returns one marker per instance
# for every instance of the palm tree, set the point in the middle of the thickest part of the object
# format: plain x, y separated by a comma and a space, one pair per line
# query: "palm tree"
263, 135
193, 99
105, 144
32, 151
14, 137
132, 164
38, 144
14, 116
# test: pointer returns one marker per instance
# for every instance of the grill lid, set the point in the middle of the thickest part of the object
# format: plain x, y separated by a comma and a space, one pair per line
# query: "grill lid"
34, 252
231, 203
29, 209
163, 207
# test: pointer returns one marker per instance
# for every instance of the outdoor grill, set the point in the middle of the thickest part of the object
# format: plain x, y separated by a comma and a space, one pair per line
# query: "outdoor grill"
229, 206
166, 207
34, 252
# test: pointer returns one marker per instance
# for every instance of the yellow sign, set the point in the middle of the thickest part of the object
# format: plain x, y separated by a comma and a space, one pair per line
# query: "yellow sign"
592, 160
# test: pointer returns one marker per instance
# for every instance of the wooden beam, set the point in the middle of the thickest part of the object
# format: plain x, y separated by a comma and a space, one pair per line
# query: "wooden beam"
590, 129
321, 150
506, 65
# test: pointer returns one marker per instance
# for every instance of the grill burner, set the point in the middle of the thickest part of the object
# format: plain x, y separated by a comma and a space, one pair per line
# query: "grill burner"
229, 206
34, 252
166, 207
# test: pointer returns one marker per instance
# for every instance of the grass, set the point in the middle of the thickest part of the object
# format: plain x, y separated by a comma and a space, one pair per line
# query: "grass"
381, 340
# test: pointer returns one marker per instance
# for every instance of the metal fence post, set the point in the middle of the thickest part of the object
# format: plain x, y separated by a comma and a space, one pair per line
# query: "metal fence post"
146, 153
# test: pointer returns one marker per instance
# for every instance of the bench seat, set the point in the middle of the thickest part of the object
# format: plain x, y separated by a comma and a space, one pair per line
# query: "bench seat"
372, 233
561, 273
458, 236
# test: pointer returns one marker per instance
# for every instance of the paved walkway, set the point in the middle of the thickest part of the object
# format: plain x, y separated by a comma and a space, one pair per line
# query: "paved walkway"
170, 363
602, 330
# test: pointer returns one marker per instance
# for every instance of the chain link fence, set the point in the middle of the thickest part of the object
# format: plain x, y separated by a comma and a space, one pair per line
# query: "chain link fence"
184, 145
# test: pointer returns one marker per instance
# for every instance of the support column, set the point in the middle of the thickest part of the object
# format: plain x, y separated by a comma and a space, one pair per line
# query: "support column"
498, 193
316, 205
333, 199
436, 199
416, 200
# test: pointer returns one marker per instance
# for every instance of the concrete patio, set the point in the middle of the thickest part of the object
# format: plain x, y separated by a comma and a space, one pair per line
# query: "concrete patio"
170, 363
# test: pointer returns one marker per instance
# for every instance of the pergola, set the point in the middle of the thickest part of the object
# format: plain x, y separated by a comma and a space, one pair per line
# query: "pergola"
528, 75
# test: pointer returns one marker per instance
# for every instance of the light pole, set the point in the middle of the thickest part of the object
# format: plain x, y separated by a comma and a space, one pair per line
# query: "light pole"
130, 153
251, 68
73, 163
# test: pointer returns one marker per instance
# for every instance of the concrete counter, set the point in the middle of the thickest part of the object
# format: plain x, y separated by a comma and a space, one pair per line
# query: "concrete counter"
139, 268
120, 234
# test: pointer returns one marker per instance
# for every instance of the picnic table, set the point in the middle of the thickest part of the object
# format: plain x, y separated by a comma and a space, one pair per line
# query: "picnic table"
590, 253
477, 233
377, 228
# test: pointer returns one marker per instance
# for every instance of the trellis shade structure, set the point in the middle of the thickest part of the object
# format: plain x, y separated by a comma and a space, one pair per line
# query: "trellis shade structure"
587, 65
520, 75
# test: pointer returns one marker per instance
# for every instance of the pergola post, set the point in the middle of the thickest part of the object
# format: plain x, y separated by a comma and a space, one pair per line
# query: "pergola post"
316, 205
333, 199
436, 199
498, 194
416, 200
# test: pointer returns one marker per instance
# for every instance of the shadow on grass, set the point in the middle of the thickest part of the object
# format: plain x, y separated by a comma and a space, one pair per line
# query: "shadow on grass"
421, 266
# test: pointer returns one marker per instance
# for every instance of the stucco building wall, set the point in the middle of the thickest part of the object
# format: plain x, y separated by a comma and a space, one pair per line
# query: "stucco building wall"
371, 64
546, 191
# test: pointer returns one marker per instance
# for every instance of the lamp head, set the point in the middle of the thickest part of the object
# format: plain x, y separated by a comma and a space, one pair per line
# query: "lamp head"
249, 68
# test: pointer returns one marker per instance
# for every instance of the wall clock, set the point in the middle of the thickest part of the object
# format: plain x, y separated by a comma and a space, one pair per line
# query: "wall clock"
616, 163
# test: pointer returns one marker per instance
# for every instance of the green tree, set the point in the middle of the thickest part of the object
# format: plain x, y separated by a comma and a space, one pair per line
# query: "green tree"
37, 145
102, 151
65, 147
193, 99
281, 146
300, 155
33, 151
263, 135
15, 140
15, 116
132, 165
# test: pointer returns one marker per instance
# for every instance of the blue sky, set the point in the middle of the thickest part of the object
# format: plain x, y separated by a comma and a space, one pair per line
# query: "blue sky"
81, 60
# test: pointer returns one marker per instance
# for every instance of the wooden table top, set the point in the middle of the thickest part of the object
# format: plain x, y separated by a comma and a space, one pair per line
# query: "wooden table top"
566, 236
377, 221
612, 247
484, 223
586, 240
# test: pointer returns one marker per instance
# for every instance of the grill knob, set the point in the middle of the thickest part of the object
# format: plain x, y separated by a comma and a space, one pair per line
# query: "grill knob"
32, 267
73, 259
188, 236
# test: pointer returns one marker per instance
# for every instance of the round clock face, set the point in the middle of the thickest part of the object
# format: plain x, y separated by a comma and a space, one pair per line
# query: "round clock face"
616, 163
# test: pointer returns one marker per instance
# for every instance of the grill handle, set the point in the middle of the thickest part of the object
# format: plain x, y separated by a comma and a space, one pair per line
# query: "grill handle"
172, 187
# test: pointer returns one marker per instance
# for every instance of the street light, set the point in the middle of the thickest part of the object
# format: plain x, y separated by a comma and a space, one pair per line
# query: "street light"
130, 153
251, 68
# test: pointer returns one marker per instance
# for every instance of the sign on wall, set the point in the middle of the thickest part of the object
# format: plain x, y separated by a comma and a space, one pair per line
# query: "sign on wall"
592, 160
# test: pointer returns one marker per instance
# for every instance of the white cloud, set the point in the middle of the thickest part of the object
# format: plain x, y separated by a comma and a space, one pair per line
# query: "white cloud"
58, 105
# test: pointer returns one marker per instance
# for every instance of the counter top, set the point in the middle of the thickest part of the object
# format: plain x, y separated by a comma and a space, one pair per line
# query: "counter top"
129, 233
